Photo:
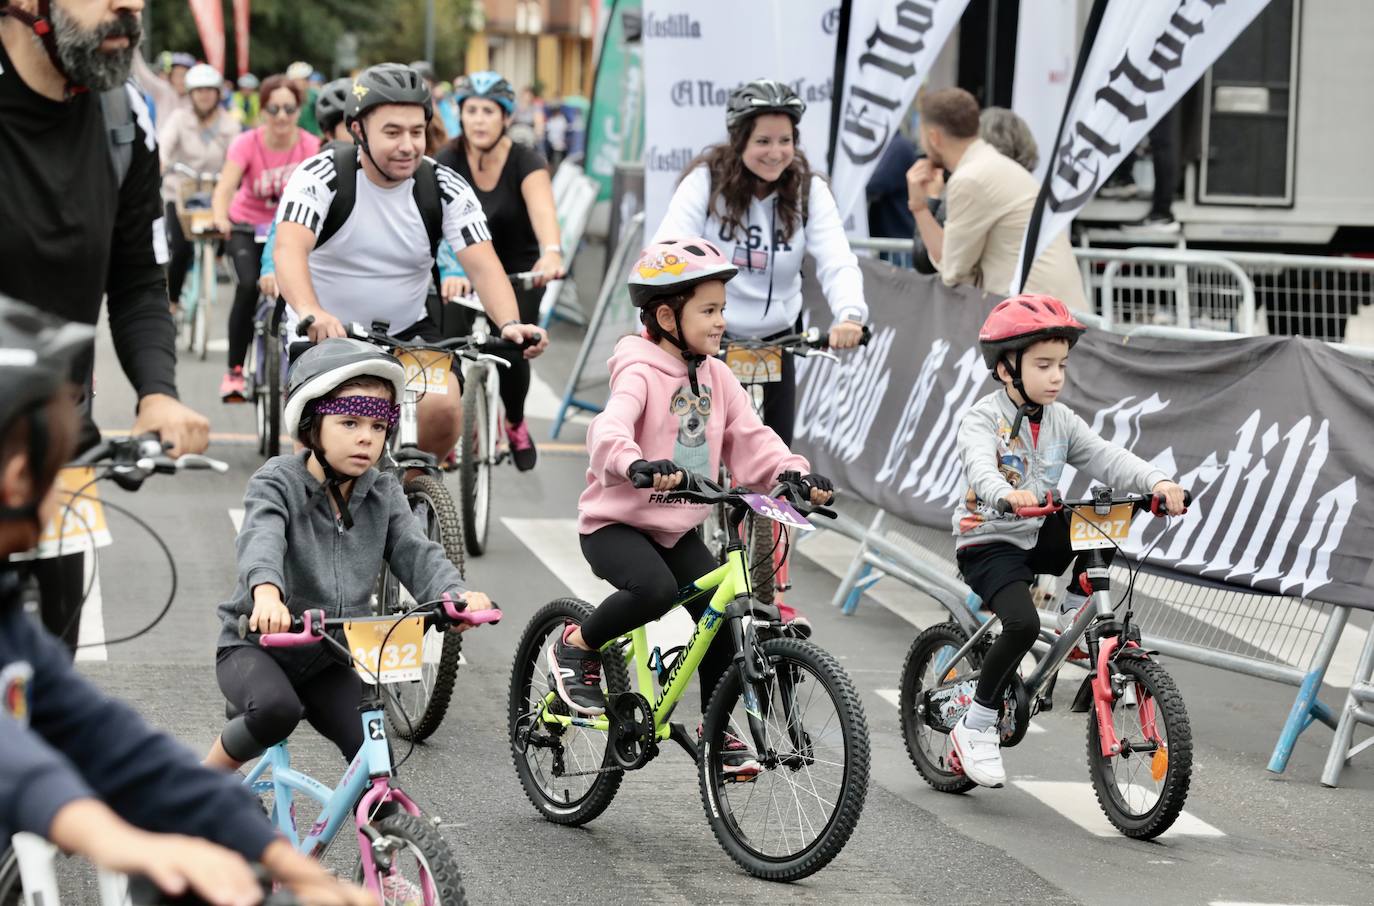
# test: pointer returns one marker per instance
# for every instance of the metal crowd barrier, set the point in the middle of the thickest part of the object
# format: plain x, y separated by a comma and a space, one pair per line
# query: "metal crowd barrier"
574, 198
1325, 298
1359, 709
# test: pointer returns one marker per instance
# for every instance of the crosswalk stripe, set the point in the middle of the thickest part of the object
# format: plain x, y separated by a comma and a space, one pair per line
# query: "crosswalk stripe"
894, 696
92, 630
554, 542
1077, 802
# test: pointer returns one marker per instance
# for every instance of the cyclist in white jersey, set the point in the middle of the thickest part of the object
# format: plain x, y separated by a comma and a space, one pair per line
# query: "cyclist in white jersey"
377, 265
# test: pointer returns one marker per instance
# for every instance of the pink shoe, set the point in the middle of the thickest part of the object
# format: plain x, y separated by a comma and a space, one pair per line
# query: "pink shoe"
799, 624
521, 447
232, 387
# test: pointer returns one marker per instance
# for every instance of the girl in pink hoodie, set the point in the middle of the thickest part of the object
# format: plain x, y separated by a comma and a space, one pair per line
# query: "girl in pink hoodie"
674, 408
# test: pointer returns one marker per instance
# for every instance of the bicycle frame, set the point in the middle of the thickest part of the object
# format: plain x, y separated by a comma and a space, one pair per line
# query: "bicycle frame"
1102, 653
365, 784
726, 584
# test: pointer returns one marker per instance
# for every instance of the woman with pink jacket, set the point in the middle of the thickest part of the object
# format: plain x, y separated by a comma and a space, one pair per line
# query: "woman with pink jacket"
674, 408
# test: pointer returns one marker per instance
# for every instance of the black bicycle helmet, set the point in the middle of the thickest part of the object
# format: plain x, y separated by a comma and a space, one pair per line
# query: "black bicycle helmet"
387, 83
329, 106
762, 96
37, 355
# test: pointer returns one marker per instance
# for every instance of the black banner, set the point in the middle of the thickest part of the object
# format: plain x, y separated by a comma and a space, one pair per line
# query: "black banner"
1273, 435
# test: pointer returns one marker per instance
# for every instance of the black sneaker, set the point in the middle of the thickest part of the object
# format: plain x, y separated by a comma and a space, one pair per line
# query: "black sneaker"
576, 675
737, 761
522, 450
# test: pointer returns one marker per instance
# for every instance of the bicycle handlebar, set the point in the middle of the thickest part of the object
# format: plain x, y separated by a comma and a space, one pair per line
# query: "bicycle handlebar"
700, 489
813, 339
470, 346
133, 459
309, 628
1053, 503
143, 892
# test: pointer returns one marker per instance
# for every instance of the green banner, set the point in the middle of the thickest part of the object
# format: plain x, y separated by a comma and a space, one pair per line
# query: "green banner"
615, 123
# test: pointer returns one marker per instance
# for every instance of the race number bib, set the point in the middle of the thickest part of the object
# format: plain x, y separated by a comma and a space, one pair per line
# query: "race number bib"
426, 370
755, 366
79, 526
778, 510
399, 661
1088, 530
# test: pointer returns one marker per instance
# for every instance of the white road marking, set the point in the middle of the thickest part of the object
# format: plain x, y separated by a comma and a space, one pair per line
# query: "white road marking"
894, 696
219, 344
92, 629
1077, 802
554, 542
543, 402
236, 517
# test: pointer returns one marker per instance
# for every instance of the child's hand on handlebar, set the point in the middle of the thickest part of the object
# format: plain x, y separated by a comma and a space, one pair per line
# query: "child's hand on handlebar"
474, 600
270, 614
1173, 496
1018, 499
665, 473
819, 490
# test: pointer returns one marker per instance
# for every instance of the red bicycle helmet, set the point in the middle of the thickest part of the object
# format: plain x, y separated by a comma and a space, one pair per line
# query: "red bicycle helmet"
1025, 319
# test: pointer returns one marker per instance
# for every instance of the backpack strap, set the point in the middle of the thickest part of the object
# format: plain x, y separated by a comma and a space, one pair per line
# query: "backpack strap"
345, 191
431, 206
119, 130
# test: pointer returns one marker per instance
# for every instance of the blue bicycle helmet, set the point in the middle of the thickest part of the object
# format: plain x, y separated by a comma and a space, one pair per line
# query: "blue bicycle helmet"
486, 84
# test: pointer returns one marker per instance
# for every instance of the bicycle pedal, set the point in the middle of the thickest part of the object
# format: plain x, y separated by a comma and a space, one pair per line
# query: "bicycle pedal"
741, 778
955, 765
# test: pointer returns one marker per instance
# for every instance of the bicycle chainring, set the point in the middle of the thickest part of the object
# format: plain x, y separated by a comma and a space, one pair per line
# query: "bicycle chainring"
633, 740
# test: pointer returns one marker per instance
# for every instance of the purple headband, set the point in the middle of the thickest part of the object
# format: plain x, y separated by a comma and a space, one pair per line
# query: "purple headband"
361, 407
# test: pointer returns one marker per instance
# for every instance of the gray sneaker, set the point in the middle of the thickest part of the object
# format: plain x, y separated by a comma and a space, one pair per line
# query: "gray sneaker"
576, 675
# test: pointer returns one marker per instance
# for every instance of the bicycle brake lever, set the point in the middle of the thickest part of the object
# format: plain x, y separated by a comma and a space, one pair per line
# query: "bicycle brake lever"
494, 359
819, 353
198, 461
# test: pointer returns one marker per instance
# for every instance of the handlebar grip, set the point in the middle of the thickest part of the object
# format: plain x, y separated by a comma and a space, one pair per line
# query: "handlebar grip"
303, 328
867, 335
479, 617
1157, 503
642, 479
1052, 504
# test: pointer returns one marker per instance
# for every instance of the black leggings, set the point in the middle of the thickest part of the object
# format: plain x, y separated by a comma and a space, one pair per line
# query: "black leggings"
179, 252
246, 254
1001, 574
271, 701
648, 577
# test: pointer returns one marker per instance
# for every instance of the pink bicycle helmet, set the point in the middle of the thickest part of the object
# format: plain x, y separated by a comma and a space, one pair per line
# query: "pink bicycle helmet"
674, 266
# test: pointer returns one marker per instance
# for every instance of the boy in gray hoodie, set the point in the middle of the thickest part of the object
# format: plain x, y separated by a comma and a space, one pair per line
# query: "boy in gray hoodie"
317, 527
1014, 444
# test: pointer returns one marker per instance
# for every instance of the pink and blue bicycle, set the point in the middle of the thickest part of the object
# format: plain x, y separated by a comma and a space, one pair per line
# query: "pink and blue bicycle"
403, 857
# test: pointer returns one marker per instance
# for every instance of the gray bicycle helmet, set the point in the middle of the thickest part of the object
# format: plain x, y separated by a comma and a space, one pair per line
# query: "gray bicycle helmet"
329, 106
326, 365
37, 355
762, 96
387, 83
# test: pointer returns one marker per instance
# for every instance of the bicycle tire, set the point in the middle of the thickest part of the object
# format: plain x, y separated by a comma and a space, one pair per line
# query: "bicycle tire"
445, 522
425, 840
201, 329
530, 665
11, 886
1152, 680
272, 352
762, 569
474, 468
853, 785
934, 768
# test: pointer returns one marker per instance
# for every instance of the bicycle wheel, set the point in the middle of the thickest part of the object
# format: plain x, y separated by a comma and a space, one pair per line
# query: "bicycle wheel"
423, 868
926, 731
474, 470
201, 328
567, 772
796, 814
1142, 790
187, 305
762, 551
416, 709
11, 888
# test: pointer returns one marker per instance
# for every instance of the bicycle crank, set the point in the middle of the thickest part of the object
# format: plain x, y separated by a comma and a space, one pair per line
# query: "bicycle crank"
633, 740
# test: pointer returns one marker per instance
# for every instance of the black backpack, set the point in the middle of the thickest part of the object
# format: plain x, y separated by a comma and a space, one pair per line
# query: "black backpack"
426, 193
119, 129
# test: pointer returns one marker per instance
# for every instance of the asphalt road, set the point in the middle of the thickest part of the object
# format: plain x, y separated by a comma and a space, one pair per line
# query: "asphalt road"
1247, 836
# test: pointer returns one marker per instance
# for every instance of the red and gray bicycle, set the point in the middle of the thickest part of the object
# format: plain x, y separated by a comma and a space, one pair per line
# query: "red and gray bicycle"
1140, 746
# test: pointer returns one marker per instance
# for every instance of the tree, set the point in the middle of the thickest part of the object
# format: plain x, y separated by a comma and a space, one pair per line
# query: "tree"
283, 31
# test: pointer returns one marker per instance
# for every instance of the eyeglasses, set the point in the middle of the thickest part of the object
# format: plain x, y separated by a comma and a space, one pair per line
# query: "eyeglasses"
284, 109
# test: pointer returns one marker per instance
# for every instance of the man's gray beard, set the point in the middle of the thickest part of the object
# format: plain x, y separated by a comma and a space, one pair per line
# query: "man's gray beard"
79, 50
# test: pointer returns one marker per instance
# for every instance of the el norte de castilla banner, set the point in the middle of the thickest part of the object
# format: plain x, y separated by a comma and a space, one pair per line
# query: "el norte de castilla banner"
1272, 435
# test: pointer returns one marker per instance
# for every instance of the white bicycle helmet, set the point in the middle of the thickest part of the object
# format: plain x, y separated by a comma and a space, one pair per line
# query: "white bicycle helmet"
326, 365
203, 75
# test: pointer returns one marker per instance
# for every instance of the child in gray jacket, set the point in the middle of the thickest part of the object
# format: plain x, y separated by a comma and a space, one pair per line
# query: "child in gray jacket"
317, 527
1014, 444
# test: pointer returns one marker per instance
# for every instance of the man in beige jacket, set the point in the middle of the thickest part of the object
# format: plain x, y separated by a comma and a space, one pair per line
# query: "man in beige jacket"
989, 199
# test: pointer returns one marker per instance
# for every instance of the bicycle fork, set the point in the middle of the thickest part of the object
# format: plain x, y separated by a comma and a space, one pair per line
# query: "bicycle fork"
1106, 684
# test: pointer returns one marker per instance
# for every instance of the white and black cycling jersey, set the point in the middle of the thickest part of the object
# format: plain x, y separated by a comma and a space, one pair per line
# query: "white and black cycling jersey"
377, 266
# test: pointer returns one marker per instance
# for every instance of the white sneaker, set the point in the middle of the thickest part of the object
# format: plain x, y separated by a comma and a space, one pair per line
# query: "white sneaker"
980, 754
